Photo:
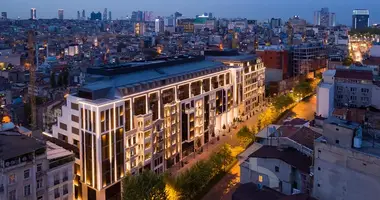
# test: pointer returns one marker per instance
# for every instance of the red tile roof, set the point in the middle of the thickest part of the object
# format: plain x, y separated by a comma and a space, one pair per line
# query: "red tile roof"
372, 61
306, 137
354, 74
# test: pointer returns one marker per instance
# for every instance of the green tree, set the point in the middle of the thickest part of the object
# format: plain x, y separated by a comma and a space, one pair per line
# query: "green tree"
245, 136
348, 61
282, 101
225, 152
145, 186
303, 88
53, 82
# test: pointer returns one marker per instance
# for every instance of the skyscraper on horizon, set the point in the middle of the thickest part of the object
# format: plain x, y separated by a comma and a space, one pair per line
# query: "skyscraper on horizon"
324, 18
360, 18
105, 18
4, 15
33, 13
60, 14
109, 16
83, 14
332, 19
78, 15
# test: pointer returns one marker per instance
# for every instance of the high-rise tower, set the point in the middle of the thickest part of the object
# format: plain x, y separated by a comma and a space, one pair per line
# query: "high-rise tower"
60, 14
360, 19
33, 13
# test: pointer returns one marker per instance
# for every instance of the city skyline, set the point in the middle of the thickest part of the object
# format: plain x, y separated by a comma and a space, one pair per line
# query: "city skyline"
251, 10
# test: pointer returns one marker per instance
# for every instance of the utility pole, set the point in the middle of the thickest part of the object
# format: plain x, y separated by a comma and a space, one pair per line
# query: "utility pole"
32, 81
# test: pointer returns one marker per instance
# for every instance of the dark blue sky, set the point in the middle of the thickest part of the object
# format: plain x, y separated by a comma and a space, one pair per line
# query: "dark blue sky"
253, 9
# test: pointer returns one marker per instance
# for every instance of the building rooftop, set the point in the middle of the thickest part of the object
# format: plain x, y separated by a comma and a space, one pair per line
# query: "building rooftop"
354, 74
54, 151
288, 155
140, 74
251, 191
342, 123
13, 144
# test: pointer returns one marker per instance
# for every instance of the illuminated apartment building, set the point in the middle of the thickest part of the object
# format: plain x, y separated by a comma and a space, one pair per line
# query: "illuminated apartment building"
150, 115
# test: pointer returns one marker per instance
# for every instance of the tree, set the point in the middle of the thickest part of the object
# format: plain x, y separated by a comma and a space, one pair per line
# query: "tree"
225, 152
303, 88
53, 82
245, 136
145, 186
282, 102
348, 61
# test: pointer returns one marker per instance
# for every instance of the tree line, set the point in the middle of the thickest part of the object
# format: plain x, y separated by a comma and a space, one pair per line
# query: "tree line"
186, 185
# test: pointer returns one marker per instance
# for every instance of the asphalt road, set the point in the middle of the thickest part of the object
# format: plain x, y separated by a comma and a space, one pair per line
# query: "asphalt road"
304, 109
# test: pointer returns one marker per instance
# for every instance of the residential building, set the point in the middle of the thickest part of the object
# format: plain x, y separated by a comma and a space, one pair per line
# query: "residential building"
281, 168
150, 115
22, 166
326, 94
350, 87
33, 169
275, 22
159, 25
60, 179
346, 158
276, 61
360, 19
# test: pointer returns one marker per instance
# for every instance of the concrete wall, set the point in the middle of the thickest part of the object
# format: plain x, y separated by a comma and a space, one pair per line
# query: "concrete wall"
325, 100
375, 100
338, 135
270, 178
345, 174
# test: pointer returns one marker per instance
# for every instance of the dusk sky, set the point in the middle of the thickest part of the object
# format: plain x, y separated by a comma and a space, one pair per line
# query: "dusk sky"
252, 9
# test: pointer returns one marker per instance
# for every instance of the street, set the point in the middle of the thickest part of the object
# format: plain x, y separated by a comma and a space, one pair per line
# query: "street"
224, 189
304, 109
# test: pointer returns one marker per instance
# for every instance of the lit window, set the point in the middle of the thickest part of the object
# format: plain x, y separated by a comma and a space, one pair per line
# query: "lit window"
260, 179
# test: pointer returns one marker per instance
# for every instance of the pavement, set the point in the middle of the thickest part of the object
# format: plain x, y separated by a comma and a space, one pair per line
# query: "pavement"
214, 145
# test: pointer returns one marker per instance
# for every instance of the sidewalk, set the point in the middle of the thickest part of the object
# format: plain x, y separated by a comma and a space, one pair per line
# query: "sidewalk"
229, 138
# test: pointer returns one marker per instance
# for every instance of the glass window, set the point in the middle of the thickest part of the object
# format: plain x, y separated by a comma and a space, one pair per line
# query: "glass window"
260, 178
39, 183
39, 167
27, 190
65, 189
27, 174
12, 195
56, 193
12, 179
74, 106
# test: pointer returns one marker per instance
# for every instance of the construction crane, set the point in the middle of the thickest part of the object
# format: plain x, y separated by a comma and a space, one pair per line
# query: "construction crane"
32, 81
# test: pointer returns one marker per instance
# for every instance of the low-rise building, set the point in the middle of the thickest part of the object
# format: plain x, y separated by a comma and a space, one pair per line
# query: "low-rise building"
346, 162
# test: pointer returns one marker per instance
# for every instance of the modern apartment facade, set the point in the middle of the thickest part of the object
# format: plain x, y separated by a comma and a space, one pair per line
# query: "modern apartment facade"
151, 115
